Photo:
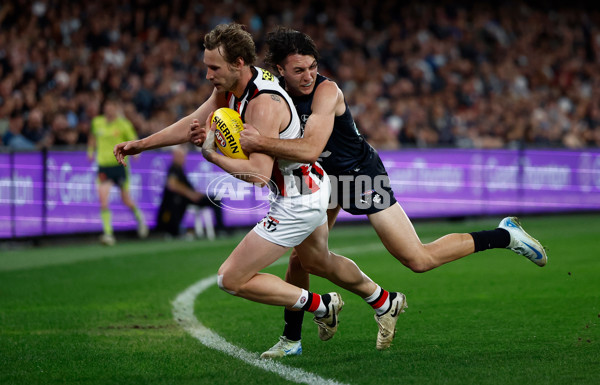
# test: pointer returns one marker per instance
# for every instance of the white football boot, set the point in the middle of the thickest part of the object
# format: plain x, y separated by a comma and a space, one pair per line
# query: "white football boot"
328, 325
108, 239
387, 321
283, 348
523, 243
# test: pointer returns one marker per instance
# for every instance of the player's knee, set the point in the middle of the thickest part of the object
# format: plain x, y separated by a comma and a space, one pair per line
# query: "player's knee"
417, 263
418, 266
226, 285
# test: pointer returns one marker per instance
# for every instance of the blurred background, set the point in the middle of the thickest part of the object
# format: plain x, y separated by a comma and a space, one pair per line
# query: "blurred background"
439, 79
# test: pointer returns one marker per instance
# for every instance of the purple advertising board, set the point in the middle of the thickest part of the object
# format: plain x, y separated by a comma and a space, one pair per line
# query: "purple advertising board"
56, 193
441, 183
72, 199
6, 200
21, 194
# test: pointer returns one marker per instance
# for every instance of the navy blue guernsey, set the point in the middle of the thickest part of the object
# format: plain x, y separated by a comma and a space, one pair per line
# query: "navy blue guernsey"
346, 148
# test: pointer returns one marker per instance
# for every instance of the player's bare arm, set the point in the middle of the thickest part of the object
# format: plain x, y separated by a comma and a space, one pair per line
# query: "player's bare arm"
327, 103
197, 129
177, 133
269, 114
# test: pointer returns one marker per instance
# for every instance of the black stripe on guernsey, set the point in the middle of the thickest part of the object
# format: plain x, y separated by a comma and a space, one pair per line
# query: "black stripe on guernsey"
249, 93
304, 188
316, 171
307, 184
238, 102
277, 178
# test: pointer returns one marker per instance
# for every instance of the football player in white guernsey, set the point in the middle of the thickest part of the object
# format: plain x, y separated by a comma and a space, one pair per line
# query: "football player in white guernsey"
330, 135
297, 216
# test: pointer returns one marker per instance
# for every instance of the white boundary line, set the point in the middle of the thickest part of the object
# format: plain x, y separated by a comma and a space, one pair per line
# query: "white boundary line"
183, 313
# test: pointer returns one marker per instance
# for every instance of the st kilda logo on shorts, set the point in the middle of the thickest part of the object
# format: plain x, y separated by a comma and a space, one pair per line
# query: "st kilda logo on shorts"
270, 223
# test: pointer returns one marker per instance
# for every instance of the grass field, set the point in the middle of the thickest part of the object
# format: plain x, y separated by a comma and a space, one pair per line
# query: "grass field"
85, 314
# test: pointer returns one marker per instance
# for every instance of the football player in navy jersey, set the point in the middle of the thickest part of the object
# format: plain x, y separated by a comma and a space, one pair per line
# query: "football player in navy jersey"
330, 135
300, 191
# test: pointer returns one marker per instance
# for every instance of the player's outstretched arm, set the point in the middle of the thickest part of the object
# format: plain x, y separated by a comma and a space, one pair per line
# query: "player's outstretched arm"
177, 133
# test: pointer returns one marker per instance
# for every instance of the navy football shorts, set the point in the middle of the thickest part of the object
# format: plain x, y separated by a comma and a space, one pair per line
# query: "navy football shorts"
363, 190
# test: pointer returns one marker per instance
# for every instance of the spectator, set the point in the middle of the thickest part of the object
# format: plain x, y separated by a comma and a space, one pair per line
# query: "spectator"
14, 138
61, 134
35, 130
430, 76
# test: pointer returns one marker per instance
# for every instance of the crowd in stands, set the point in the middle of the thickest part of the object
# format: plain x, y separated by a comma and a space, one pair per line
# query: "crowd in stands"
415, 74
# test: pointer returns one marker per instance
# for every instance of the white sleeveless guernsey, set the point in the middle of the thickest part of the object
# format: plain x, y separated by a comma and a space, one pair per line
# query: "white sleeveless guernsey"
289, 178
301, 190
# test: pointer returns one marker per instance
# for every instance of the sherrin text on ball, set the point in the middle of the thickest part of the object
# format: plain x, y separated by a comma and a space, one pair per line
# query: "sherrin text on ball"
227, 134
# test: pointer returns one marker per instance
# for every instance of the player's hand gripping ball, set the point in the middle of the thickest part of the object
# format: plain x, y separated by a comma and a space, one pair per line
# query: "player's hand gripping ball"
227, 134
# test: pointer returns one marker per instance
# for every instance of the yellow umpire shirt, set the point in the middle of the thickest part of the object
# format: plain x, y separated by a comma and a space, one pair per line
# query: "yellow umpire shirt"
108, 135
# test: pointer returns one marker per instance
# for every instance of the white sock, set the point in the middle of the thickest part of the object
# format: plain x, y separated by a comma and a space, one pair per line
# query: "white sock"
301, 300
379, 300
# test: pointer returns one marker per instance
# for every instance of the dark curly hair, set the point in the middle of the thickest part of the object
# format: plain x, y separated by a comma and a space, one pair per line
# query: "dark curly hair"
235, 40
285, 41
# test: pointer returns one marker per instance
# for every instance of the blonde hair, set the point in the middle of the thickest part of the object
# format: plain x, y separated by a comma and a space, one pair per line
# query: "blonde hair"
235, 41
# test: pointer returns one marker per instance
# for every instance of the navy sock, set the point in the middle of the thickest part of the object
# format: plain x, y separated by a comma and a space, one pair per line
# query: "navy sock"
490, 239
293, 324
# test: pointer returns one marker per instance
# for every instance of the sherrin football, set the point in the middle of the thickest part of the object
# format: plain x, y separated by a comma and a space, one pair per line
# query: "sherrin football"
227, 134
